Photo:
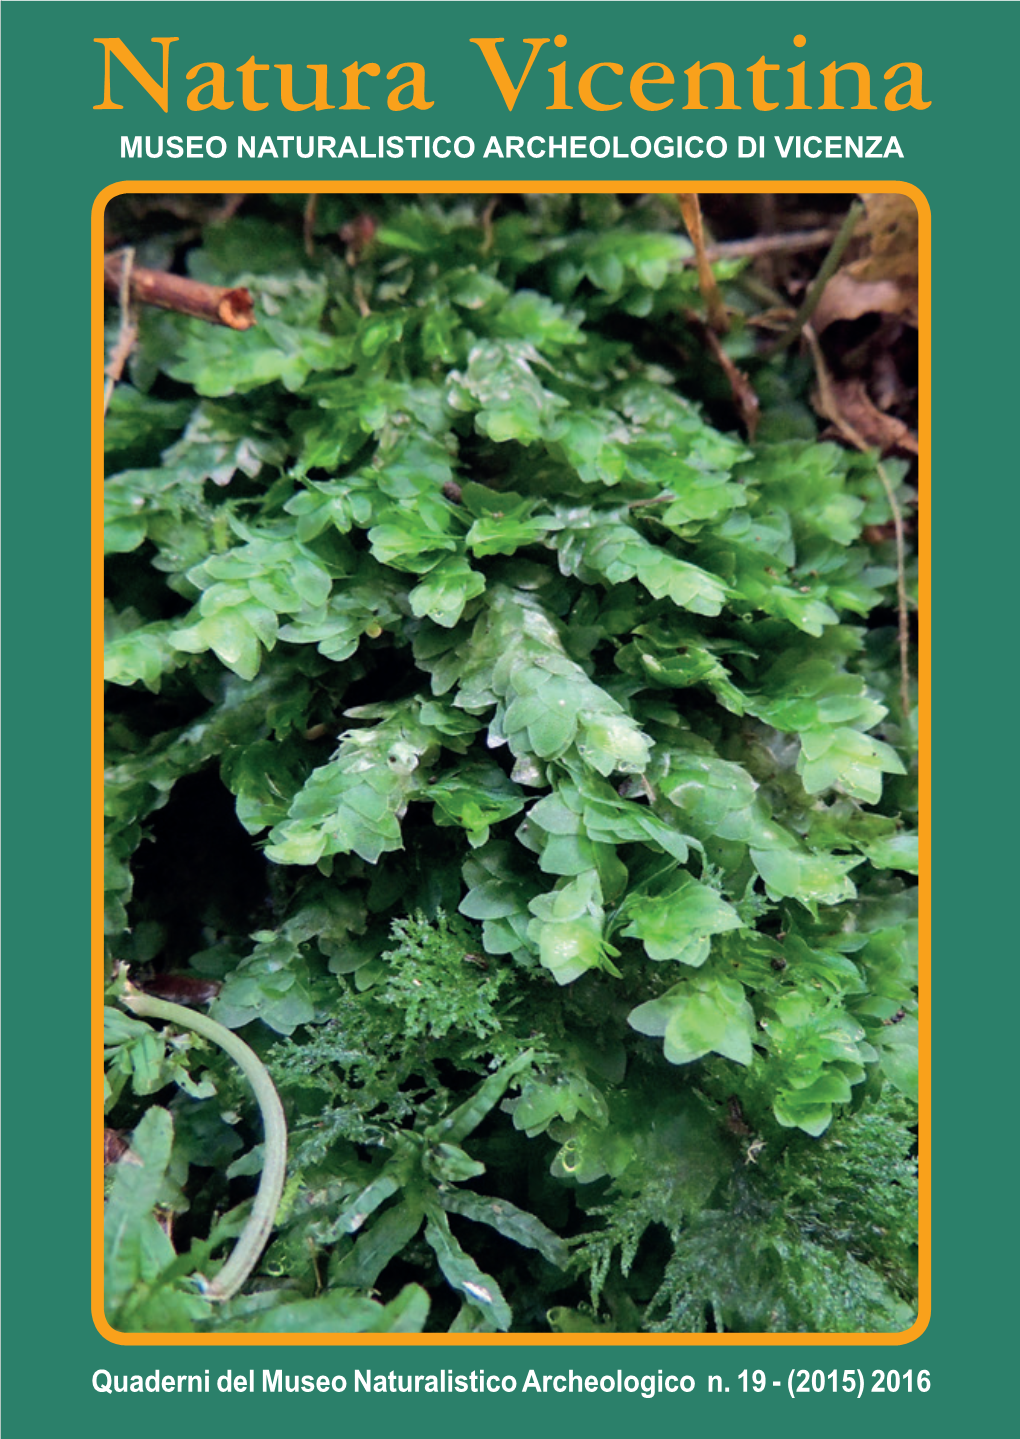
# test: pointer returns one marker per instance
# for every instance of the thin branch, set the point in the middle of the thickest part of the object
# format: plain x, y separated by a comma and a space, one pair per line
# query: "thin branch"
758, 245
690, 208
126, 335
901, 594
217, 304
829, 405
228, 209
488, 233
742, 391
828, 268
260, 1222
745, 397
311, 209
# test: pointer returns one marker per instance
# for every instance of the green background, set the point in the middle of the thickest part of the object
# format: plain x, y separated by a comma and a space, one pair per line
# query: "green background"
59, 153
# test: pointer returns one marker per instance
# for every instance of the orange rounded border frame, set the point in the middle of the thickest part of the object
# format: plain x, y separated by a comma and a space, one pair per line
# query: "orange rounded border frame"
924, 708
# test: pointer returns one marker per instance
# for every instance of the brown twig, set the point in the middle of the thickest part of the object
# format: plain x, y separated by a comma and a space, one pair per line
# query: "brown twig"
744, 396
488, 233
666, 499
759, 245
215, 303
127, 333
829, 405
690, 208
311, 208
228, 209
358, 235
198, 208
828, 268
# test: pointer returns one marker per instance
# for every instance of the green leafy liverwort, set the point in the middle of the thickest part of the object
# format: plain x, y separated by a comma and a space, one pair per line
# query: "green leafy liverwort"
522, 754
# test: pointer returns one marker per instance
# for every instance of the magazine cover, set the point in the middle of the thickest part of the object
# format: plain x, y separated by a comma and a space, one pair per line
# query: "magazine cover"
486, 459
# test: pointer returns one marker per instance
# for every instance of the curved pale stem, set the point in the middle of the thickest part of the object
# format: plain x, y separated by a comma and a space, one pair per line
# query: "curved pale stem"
255, 1233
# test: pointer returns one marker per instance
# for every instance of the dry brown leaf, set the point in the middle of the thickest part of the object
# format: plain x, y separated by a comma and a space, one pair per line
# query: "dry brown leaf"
884, 279
181, 988
890, 227
116, 1149
845, 298
887, 386
847, 401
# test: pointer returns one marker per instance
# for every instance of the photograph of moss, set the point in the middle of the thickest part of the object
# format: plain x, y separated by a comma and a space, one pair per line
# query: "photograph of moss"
511, 718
